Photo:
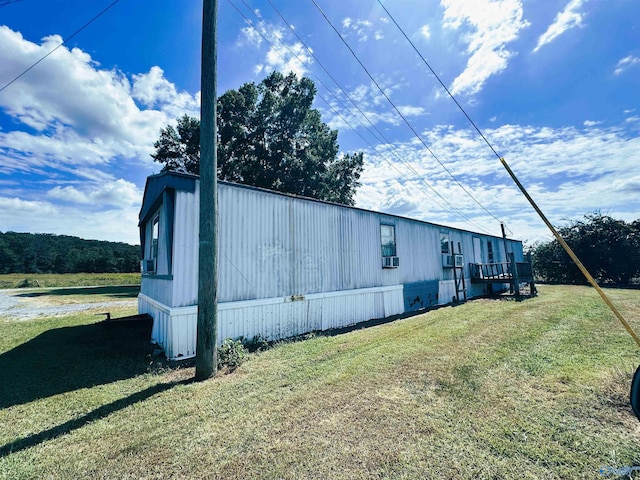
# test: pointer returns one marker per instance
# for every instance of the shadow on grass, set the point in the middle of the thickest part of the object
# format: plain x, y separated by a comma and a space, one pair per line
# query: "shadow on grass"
118, 291
97, 414
69, 358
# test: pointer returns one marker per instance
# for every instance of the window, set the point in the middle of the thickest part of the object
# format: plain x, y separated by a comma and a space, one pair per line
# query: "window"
155, 234
444, 243
388, 240
155, 230
490, 251
149, 264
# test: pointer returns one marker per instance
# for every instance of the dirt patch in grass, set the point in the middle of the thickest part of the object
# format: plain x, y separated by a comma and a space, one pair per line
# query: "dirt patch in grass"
39, 303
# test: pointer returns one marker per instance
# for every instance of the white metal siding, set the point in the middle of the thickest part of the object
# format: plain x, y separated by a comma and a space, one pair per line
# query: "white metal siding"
185, 248
419, 251
275, 318
159, 289
273, 247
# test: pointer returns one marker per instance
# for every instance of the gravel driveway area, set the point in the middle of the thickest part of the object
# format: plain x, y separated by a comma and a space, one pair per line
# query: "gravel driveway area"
17, 307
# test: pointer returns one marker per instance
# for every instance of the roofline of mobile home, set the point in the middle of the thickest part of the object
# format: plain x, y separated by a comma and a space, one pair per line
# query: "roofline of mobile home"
300, 197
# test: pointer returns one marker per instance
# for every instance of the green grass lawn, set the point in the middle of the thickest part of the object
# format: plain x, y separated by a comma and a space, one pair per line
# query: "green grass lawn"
48, 280
488, 389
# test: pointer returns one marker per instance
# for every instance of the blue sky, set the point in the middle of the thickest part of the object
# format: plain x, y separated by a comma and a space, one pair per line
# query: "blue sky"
554, 85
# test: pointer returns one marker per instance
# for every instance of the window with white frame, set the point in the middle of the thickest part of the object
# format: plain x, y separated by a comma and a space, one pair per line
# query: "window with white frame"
388, 240
490, 251
155, 231
149, 264
444, 243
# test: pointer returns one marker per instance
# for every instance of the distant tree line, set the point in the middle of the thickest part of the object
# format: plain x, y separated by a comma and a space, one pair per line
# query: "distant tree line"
608, 248
47, 253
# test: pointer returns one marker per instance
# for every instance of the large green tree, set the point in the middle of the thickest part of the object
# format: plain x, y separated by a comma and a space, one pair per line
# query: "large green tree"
608, 248
269, 136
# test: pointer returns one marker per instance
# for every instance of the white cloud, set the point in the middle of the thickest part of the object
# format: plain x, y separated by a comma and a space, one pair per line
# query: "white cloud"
118, 225
591, 123
373, 107
82, 113
425, 31
568, 171
625, 63
628, 184
117, 193
74, 124
411, 111
152, 89
283, 54
491, 25
361, 29
251, 36
295, 59
568, 18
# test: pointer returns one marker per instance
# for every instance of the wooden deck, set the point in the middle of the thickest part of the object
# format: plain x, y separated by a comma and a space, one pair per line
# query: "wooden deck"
500, 272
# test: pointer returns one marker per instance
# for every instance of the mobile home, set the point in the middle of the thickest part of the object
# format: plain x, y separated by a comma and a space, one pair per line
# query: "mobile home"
290, 265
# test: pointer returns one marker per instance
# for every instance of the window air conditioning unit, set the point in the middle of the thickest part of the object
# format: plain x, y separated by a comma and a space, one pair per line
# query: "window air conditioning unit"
390, 262
148, 265
449, 261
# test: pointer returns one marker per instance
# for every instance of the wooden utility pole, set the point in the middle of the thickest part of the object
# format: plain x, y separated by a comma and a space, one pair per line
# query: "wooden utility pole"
207, 332
512, 266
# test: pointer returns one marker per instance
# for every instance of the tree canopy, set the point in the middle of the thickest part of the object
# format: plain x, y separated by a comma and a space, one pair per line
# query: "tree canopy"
269, 136
608, 248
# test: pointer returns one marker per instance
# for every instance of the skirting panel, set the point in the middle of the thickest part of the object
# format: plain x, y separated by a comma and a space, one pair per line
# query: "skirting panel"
174, 329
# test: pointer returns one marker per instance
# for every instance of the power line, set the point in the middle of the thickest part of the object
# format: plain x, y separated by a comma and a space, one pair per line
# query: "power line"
438, 78
555, 233
330, 92
388, 144
250, 23
400, 113
63, 42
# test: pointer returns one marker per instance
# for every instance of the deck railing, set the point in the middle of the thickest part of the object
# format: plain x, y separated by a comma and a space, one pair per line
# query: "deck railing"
500, 271
489, 271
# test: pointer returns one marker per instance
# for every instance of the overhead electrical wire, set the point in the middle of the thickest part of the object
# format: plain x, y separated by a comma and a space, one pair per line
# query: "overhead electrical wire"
250, 23
264, 37
388, 144
438, 78
417, 135
522, 189
63, 42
